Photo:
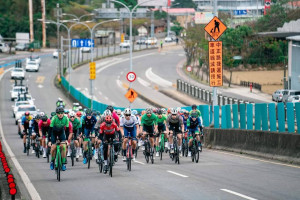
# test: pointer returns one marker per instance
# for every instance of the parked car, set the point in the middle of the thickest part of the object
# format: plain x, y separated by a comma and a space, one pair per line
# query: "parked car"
55, 54
16, 91
25, 108
85, 49
4, 47
288, 93
32, 66
293, 98
22, 47
168, 39
17, 73
141, 40
151, 41
278, 95
17, 104
125, 44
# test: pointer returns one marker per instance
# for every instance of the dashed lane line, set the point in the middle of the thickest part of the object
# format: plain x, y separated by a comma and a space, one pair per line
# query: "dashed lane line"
238, 194
139, 162
184, 176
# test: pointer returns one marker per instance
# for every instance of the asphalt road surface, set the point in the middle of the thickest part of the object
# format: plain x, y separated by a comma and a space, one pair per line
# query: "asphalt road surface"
218, 175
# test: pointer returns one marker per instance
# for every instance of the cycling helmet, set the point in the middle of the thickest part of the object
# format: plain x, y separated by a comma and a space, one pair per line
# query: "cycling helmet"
149, 111
72, 114
44, 118
110, 108
185, 112
66, 111
119, 112
60, 109
174, 111
108, 119
164, 110
159, 111
42, 114
154, 110
194, 106
75, 104
27, 113
37, 117
88, 112
134, 112
107, 113
169, 111
59, 99
127, 111
79, 114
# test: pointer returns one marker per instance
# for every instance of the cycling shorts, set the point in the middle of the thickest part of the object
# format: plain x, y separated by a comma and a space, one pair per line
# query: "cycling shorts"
149, 130
45, 130
87, 132
193, 130
130, 132
175, 128
60, 133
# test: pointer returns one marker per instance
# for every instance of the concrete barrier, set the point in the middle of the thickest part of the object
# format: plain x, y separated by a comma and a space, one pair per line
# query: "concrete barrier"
279, 146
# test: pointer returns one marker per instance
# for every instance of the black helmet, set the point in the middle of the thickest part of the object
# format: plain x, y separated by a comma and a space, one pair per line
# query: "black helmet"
110, 108
194, 106
37, 117
159, 111
44, 118
88, 112
60, 109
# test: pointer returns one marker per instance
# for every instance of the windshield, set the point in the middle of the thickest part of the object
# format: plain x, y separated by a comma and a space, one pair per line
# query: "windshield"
19, 89
18, 70
26, 109
22, 103
31, 63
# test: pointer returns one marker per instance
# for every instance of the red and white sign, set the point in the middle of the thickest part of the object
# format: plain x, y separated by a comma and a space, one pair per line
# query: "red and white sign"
267, 6
189, 68
131, 76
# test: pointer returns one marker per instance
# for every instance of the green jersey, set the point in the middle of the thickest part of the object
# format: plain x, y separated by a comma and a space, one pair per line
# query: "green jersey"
196, 111
59, 123
149, 121
76, 124
161, 120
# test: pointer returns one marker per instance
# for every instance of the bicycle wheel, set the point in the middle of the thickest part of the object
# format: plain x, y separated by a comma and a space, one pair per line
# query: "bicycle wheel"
72, 152
48, 154
37, 151
147, 151
111, 160
58, 158
28, 146
136, 151
89, 154
128, 159
151, 155
197, 156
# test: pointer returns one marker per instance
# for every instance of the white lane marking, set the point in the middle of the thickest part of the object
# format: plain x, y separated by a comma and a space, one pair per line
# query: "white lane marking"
29, 186
102, 63
85, 89
238, 194
157, 79
40, 86
181, 54
139, 162
106, 98
184, 176
119, 83
143, 82
120, 61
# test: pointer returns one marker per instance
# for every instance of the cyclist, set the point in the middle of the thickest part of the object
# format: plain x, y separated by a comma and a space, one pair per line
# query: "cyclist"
195, 110
149, 126
185, 117
114, 114
78, 116
129, 126
194, 127
88, 125
108, 129
161, 126
76, 131
75, 107
60, 103
25, 126
44, 125
34, 126
174, 126
57, 129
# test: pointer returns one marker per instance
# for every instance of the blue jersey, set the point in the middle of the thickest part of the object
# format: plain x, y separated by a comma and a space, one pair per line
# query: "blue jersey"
25, 121
191, 124
34, 126
184, 122
89, 123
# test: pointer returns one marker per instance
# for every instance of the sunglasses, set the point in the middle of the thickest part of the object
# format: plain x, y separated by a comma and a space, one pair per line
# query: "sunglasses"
72, 117
127, 115
59, 113
173, 114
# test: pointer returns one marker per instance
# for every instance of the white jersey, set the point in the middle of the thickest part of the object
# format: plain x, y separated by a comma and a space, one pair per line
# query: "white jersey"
128, 123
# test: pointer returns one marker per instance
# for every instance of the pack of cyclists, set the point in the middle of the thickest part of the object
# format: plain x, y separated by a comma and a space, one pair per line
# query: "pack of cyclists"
85, 125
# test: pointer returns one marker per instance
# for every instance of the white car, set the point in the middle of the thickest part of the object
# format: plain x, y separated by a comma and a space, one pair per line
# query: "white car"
151, 41
125, 44
293, 98
25, 108
17, 73
4, 47
35, 59
85, 49
16, 90
32, 66
55, 54
168, 39
17, 104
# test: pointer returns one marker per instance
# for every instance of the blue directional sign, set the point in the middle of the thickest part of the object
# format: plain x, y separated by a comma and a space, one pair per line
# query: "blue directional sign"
77, 43
240, 12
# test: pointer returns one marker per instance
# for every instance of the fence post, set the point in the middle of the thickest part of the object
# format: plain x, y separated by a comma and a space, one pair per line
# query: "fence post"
249, 116
235, 116
228, 116
179, 84
290, 117
216, 117
257, 112
242, 108
223, 117
264, 117
196, 92
192, 90
272, 117
297, 109
281, 117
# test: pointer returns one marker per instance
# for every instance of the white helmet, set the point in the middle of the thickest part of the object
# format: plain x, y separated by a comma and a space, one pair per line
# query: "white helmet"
127, 111
174, 111
59, 99
72, 114
119, 112
149, 110
107, 113
42, 114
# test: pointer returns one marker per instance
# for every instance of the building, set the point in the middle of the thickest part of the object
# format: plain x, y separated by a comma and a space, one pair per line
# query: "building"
238, 8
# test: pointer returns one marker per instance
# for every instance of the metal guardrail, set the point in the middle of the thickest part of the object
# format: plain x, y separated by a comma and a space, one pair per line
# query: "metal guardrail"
248, 83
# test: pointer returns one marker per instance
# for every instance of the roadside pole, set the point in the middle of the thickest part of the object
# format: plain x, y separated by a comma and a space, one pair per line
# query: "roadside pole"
215, 91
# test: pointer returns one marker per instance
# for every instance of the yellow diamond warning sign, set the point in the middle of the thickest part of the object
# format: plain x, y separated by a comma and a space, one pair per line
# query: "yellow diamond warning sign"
215, 28
131, 95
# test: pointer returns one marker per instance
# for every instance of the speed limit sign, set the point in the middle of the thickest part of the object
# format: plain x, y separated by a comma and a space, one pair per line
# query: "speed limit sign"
189, 68
131, 76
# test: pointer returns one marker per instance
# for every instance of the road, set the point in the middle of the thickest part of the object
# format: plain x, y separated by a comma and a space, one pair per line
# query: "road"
218, 175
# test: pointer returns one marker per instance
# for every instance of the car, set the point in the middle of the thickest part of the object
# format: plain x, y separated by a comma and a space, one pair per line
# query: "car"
17, 73
35, 59
3, 47
32, 66
125, 44
85, 49
25, 108
25, 97
293, 98
141, 40
22, 47
151, 41
173, 37
55, 54
288, 93
17, 104
14, 93
278, 95
168, 39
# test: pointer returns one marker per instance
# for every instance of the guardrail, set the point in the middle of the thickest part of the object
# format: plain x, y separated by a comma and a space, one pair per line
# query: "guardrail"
248, 83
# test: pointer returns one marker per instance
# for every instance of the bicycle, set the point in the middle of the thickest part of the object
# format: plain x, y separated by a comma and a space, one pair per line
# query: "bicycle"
100, 159
195, 151
73, 151
48, 149
175, 155
185, 145
58, 160
129, 153
89, 153
148, 152
38, 147
161, 145
111, 160
28, 144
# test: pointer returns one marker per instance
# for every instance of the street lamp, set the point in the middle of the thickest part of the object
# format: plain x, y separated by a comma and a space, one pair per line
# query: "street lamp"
168, 20
76, 17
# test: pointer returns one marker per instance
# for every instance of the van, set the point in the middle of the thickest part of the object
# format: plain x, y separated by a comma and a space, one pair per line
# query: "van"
288, 93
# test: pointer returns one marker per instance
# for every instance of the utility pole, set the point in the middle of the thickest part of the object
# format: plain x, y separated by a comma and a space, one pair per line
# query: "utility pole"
44, 25
60, 53
215, 92
30, 21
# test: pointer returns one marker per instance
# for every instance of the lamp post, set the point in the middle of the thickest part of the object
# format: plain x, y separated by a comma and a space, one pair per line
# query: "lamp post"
168, 19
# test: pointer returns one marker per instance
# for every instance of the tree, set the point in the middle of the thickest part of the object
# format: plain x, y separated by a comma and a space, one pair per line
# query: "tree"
177, 28
184, 4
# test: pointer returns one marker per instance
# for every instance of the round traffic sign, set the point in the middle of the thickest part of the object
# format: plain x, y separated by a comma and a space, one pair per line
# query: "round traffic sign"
189, 68
131, 76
